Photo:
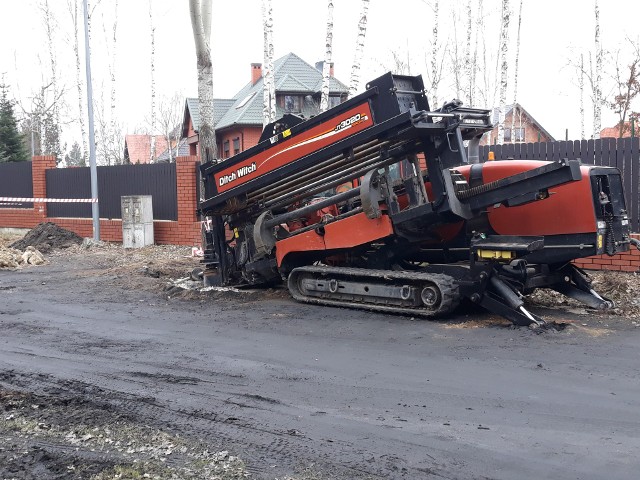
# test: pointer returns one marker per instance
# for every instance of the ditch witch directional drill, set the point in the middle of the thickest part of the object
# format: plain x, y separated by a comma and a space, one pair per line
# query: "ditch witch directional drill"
376, 204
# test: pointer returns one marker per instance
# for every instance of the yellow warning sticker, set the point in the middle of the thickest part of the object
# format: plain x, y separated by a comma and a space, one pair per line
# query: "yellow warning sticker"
286, 133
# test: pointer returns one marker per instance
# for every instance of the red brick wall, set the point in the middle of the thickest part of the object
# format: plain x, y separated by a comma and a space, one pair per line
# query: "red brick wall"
624, 262
251, 137
184, 231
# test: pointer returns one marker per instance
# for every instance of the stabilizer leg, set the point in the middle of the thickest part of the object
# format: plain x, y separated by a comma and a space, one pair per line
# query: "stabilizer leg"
502, 299
578, 286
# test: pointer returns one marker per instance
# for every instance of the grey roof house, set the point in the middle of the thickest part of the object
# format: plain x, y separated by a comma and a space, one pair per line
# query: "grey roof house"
238, 120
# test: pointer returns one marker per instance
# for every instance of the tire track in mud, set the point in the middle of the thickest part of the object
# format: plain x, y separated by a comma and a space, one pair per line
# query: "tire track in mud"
221, 423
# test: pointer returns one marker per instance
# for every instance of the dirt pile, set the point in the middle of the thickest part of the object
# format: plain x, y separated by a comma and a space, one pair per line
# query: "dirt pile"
48, 236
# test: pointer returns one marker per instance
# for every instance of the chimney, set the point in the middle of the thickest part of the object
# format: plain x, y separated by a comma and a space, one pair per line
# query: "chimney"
256, 72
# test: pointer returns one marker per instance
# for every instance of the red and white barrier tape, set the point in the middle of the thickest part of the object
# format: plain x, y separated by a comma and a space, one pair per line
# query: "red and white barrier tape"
48, 200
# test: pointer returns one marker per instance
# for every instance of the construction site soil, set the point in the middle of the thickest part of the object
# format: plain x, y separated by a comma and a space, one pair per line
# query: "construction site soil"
112, 368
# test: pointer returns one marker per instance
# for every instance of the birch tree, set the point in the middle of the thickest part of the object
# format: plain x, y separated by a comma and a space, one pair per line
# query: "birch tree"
515, 80
587, 78
108, 128
581, 87
435, 58
200, 12
474, 61
269, 87
152, 153
456, 59
504, 67
73, 11
436, 74
597, 91
112, 71
53, 141
326, 66
354, 80
468, 65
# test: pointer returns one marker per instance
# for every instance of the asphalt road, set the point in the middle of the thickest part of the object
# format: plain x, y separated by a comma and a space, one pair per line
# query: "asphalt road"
348, 394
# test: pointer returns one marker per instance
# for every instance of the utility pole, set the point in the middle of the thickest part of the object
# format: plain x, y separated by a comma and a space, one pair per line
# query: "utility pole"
95, 208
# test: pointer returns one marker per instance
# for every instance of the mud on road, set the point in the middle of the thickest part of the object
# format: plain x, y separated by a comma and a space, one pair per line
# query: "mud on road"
105, 374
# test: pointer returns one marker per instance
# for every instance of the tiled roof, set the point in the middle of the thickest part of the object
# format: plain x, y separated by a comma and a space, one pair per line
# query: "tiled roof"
220, 106
614, 132
292, 75
181, 151
137, 148
289, 83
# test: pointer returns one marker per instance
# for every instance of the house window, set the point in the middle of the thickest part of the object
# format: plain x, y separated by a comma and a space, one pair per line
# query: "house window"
517, 132
236, 145
290, 103
226, 148
333, 101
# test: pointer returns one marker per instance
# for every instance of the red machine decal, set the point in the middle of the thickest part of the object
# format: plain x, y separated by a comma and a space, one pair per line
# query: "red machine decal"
289, 150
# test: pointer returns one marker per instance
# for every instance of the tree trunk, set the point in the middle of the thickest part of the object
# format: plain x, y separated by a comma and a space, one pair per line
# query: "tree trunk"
357, 59
112, 71
326, 66
269, 89
474, 71
581, 87
434, 54
53, 137
200, 11
515, 79
73, 10
504, 67
597, 107
467, 59
152, 153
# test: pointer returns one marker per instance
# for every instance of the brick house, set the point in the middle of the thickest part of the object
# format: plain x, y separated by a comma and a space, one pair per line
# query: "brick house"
526, 129
238, 120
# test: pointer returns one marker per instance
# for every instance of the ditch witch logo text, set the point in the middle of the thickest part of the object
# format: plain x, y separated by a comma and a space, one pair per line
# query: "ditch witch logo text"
241, 172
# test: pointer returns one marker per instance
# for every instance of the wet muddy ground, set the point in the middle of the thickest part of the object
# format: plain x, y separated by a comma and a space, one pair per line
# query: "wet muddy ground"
104, 374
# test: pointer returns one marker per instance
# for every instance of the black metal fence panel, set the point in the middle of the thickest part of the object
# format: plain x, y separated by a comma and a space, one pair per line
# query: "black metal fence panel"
157, 180
16, 180
622, 153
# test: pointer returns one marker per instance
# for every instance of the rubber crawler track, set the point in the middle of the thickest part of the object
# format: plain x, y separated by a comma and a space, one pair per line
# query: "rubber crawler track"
446, 284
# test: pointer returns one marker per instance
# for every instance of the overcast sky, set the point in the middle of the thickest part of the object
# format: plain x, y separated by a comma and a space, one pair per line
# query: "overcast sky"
553, 32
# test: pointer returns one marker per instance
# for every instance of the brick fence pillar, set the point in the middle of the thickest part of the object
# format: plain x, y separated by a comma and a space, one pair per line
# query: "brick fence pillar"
39, 165
187, 199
